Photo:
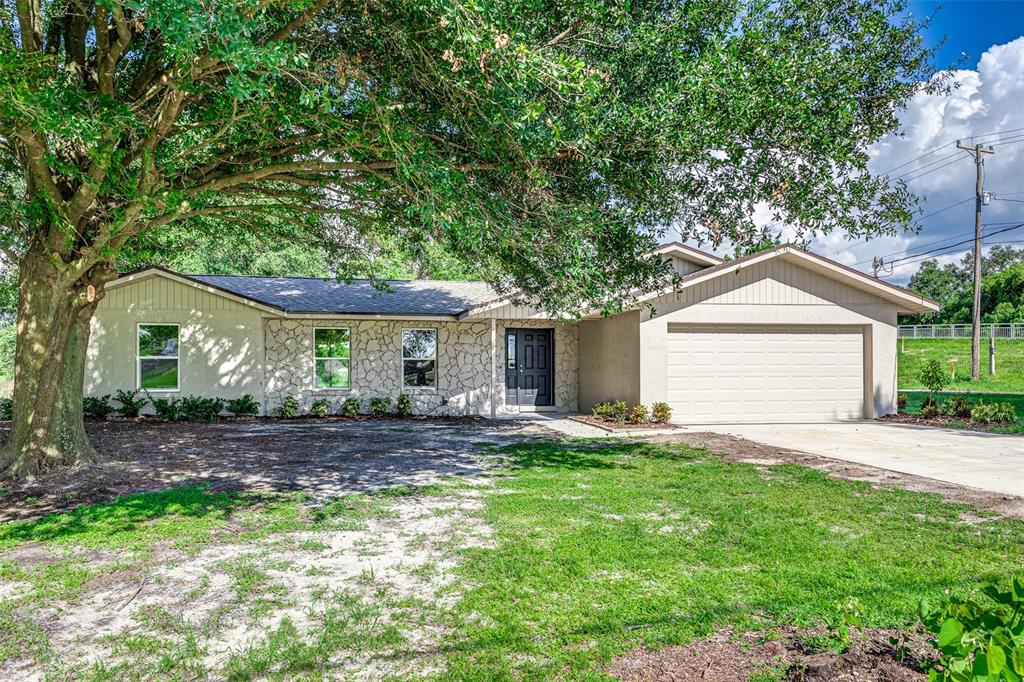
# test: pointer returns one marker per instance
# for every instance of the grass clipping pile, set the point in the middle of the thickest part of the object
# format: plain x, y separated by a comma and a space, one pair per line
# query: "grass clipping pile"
789, 654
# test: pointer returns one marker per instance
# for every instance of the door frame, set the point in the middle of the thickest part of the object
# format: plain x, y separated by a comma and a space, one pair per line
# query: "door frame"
550, 369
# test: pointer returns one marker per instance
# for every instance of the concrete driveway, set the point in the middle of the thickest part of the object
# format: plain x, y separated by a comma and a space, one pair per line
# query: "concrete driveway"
987, 461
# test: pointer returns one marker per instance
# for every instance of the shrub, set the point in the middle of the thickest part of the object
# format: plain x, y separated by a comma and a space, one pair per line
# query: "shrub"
379, 406
956, 406
288, 408
350, 408
901, 401
619, 411
994, 413
6, 409
661, 413
639, 414
929, 401
166, 408
97, 406
130, 401
404, 405
197, 409
929, 411
244, 406
933, 376
603, 410
320, 408
978, 640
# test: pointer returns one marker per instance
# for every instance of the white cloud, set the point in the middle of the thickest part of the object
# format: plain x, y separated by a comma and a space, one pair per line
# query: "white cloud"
988, 99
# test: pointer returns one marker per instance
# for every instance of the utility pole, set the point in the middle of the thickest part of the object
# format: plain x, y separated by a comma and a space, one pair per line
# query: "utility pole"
977, 151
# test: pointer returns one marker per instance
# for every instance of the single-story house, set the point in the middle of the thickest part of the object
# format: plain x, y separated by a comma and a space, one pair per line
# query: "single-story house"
783, 335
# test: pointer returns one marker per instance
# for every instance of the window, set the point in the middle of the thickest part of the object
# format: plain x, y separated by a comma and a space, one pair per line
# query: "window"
510, 350
419, 357
331, 357
158, 357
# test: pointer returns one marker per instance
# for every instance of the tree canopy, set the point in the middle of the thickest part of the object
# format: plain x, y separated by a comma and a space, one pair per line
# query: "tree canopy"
1002, 287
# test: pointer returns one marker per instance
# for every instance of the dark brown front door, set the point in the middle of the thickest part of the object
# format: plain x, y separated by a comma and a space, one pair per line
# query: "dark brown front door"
530, 367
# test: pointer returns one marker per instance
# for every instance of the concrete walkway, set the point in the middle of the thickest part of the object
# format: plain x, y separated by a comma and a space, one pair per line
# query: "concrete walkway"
987, 461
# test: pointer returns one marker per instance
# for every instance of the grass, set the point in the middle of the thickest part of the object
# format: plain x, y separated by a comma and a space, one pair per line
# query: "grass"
915, 398
1009, 376
599, 549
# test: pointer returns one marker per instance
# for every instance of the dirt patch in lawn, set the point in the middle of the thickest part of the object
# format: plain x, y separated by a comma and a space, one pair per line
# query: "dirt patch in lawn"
612, 425
786, 655
735, 449
324, 459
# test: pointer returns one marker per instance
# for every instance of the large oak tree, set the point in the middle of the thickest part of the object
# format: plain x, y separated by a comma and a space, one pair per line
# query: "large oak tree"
546, 144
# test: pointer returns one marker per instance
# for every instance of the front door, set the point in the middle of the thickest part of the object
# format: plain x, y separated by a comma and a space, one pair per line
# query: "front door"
530, 367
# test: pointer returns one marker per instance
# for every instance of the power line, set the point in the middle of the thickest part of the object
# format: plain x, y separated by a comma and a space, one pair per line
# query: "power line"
927, 215
929, 257
913, 171
943, 146
928, 172
950, 246
997, 132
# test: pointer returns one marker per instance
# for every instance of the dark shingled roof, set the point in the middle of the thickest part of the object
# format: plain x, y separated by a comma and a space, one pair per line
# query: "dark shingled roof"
310, 295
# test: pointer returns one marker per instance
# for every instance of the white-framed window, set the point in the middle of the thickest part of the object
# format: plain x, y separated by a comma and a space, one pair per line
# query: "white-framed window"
332, 357
419, 358
157, 357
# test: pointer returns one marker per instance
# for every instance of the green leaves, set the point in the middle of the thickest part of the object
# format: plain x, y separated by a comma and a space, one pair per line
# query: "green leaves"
979, 642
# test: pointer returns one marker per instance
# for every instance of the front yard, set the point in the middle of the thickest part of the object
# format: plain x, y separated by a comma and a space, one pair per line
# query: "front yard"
516, 558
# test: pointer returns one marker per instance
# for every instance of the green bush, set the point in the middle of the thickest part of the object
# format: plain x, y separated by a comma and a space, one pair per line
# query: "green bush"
956, 406
288, 408
167, 408
603, 410
619, 410
994, 413
661, 413
244, 406
639, 414
404, 405
933, 376
197, 409
351, 407
929, 411
978, 641
379, 406
320, 408
97, 406
6, 409
901, 402
130, 401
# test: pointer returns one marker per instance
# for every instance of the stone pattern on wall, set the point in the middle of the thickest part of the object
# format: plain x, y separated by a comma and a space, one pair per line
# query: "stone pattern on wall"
463, 364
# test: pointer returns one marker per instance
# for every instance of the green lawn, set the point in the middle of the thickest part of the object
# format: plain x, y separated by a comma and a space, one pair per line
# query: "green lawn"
915, 398
1009, 378
602, 548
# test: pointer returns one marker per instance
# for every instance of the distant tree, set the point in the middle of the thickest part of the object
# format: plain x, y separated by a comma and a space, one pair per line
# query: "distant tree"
952, 285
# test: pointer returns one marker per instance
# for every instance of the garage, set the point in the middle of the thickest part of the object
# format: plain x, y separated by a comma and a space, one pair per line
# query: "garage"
735, 374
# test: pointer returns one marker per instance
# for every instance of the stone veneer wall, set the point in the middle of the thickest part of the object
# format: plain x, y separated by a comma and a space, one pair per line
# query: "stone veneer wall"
463, 364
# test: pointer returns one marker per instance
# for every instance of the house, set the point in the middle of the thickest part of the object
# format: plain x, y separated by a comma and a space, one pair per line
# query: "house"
780, 336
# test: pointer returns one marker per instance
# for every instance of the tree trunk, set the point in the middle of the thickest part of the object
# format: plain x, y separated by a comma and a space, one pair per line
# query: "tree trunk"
48, 429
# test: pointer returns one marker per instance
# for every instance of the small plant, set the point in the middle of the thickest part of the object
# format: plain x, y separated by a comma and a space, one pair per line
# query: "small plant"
288, 408
197, 409
130, 401
97, 406
901, 402
350, 408
978, 640
619, 411
244, 406
379, 406
166, 408
404, 405
6, 409
929, 411
320, 408
996, 413
661, 413
933, 376
603, 410
956, 407
639, 414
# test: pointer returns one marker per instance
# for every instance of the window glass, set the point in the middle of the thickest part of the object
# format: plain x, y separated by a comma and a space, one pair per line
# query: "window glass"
419, 357
158, 357
510, 350
331, 357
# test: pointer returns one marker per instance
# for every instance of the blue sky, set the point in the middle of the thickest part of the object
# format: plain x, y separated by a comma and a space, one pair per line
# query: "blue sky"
971, 26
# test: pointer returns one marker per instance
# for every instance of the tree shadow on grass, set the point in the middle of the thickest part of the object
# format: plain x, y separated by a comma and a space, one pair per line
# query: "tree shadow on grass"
591, 454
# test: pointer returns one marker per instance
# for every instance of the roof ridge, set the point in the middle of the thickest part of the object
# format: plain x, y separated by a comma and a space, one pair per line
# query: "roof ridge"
340, 281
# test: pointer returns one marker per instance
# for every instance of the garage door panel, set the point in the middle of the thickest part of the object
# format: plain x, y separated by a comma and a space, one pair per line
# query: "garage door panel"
762, 373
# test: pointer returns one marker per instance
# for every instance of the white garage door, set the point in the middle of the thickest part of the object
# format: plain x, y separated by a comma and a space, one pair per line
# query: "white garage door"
733, 374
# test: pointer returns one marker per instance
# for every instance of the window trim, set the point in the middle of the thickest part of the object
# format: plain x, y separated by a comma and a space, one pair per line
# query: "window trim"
140, 358
315, 358
402, 359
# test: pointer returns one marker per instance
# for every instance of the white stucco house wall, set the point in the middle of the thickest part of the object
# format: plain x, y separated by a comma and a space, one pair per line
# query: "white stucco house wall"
781, 336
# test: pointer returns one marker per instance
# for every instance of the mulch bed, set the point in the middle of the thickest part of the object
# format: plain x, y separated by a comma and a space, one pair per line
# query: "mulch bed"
941, 421
614, 425
729, 657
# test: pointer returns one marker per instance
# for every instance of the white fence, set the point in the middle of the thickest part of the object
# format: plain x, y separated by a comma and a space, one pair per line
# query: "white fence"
1002, 330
